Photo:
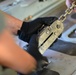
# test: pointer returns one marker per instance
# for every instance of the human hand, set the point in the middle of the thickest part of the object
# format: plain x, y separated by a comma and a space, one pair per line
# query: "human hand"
34, 51
30, 28
69, 3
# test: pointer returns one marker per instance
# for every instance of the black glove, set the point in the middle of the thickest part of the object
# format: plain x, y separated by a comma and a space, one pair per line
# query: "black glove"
33, 50
42, 61
30, 28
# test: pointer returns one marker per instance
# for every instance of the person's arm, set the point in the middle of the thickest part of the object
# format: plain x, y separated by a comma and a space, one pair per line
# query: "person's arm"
16, 26
13, 24
12, 56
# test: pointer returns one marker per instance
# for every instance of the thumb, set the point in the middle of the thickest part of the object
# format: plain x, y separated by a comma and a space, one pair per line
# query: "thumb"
33, 40
69, 3
33, 48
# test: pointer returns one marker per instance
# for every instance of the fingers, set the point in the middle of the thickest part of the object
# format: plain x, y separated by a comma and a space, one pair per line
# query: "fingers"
69, 2
48, 20
33, 39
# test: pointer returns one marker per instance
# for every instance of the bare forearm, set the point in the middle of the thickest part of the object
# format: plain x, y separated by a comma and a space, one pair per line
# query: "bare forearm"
12, 24
14, 57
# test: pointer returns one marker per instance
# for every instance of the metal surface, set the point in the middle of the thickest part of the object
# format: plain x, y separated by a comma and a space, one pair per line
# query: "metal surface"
68, 48
35, 9
62, 63
66, 36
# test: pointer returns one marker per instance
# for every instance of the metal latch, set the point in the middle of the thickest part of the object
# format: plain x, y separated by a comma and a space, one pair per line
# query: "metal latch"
49, 34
